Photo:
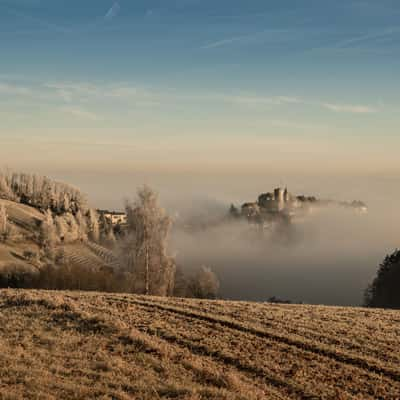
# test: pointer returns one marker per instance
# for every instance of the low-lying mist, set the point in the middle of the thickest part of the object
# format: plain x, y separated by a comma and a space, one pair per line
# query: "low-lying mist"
327, 257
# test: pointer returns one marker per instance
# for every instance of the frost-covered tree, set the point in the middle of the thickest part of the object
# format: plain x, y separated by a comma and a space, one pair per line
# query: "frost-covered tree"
41, 192
205, 284
181, 283
61, 227
73, 228
5, 190
82, 226
3, 222
93, 226
48, 232
107, 231
65, 202
144, 248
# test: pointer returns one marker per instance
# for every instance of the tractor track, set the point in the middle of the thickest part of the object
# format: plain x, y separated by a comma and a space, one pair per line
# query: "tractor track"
284, 385
306, 346
201, 343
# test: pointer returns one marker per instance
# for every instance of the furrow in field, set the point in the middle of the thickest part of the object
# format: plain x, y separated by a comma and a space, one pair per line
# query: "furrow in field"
299, 368
337, 334
326, 378
203, 374
332, 353
287, 387
323, 318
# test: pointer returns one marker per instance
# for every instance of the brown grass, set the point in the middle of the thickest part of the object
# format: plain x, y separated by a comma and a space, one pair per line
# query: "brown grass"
68, 345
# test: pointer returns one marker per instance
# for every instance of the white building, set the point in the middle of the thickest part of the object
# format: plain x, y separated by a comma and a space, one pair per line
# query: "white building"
115, 217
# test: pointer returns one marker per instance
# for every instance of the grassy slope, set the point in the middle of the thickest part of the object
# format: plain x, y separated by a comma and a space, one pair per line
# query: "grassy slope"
106, 346
25, 220
26, 216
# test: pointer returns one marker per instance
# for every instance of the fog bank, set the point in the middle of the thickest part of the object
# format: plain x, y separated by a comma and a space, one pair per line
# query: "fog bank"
327, 258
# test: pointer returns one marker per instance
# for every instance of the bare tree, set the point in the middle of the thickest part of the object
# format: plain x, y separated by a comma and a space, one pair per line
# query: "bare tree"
82, 225
48, 234
205, 284
3, 222
144, 248
5, 191
41, 192
93, 225
108, 238
181, 283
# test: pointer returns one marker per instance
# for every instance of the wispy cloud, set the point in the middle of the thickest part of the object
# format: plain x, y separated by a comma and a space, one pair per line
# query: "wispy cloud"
292, 124
39, 24
73, 91
348, 108
368, 37
83, 92
264, 35
261, 100
76, 96
224, 42
113, 11
38, 21
80, 113
375, 42
14, 90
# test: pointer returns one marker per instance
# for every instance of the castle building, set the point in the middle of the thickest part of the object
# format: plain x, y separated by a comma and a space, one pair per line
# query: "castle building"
279, 195
280, 200
286, 196
250, 210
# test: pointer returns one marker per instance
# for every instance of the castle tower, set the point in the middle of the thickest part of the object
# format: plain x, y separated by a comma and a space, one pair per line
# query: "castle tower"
279, 198
286, 196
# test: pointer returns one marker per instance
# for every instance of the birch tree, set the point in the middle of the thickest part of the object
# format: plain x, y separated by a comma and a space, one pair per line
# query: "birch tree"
144, 248
41, 192
205, 284
48, 233
3, 222
93, 226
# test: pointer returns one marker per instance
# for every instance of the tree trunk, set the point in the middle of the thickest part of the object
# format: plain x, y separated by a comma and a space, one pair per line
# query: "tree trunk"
147, 278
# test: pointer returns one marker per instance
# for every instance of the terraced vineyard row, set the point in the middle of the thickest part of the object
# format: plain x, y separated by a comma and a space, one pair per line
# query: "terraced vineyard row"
106, 255
81, 256
126, 346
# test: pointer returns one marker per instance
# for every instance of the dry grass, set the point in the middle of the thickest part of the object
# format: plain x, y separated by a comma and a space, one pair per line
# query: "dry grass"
66, 345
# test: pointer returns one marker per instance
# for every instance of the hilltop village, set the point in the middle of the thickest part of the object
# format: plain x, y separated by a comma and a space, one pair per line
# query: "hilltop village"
280, 206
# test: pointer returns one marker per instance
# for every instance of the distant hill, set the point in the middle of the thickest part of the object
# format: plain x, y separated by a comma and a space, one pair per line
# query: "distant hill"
77, 345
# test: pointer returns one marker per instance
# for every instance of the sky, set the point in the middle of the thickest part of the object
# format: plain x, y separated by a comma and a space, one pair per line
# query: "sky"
189, 87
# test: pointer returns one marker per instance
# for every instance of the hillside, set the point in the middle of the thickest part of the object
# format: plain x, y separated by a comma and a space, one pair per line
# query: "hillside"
26, 221
70, 345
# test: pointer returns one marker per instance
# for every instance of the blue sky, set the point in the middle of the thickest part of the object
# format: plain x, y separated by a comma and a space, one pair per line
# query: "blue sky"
185, 82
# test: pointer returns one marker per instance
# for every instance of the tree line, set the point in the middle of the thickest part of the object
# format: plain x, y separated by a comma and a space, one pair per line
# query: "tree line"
384, 291
143, 252
41, 192
141, 246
